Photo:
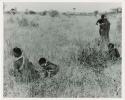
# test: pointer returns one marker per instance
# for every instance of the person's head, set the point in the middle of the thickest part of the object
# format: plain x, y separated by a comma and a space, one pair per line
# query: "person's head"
17, 52
110, 46
103, 16
42, 61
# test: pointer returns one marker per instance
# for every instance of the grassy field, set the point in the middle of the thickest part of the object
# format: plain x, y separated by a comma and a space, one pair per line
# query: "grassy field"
61, 39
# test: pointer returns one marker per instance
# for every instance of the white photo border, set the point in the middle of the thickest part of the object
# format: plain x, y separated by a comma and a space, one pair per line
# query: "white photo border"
2, 51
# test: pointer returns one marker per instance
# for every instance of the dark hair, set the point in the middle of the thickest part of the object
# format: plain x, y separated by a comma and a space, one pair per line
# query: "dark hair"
103, 16
17, 52
42, 61
110, 45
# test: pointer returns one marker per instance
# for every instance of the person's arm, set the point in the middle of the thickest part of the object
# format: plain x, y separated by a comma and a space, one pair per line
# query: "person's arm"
97, 22
22, 64
24, 60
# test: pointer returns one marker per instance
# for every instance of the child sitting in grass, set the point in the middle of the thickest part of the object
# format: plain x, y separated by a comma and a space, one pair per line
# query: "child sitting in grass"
113, 52
49, 68
23, 70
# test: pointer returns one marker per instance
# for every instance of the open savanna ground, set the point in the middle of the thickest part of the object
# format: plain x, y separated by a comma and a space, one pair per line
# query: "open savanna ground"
61, 39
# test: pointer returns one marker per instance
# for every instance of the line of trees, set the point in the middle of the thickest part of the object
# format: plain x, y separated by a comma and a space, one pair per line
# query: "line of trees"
54, 13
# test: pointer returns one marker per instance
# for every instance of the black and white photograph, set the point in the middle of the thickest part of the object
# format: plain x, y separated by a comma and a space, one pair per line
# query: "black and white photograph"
62, 50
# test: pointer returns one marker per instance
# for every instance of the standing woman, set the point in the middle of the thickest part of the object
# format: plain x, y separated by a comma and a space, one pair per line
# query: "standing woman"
104, 29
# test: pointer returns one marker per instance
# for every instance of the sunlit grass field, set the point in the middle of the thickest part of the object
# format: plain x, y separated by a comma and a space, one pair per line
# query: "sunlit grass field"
60, 39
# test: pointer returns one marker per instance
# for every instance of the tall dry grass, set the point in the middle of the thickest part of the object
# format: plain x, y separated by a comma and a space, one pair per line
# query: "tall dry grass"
67, 42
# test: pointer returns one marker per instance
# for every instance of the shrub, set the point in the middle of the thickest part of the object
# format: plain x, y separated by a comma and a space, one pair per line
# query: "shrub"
66, 14
43, 13
53, 13
32, 12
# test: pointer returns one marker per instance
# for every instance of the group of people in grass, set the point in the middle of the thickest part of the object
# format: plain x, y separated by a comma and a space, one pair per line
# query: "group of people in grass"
24, 70
104, 34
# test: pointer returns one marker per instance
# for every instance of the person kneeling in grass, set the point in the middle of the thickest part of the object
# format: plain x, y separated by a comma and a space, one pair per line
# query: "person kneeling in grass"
113, 53
49, 68
23, 69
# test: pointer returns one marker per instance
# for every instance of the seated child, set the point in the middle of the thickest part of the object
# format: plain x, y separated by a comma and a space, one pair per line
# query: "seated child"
49, 68
23, 69
113, 52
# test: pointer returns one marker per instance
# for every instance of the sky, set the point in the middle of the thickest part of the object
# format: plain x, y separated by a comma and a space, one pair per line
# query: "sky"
80, 7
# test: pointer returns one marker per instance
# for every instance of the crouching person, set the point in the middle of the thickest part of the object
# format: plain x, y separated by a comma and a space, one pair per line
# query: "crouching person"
49, 68
23, 69
113, 53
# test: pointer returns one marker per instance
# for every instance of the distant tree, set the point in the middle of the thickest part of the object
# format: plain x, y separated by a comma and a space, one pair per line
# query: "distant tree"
13, 11
120, 10
117, 10
74, 8
32, 12
43, 13
53, 13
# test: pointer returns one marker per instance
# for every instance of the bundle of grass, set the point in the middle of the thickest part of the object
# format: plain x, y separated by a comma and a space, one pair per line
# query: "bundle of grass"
29, 74
53, 13
93, 58
23, 70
